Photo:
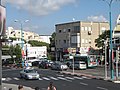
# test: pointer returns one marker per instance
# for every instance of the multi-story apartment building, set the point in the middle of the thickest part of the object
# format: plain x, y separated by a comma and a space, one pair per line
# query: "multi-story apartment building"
78, 35
27, 35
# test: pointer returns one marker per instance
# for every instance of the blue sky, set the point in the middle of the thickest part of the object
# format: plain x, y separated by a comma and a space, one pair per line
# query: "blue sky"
44, 14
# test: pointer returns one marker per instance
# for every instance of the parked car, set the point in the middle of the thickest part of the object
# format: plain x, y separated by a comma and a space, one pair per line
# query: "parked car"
29, 73
59, 66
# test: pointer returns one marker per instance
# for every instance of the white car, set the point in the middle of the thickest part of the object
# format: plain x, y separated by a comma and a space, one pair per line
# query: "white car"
29, 73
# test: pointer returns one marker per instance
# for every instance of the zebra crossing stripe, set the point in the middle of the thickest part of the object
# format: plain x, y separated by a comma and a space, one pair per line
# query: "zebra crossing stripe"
64, 79
78, 78
85, 77
40, 79
3, 79
46, 78
53, 78
70, 78
16, 78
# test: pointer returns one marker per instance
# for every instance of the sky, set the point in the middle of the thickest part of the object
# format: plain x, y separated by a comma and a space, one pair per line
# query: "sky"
43, 15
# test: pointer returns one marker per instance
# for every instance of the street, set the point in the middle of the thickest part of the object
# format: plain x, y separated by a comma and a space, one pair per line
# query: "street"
61, 81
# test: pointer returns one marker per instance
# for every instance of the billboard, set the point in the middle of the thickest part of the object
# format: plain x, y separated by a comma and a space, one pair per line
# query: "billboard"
2, 20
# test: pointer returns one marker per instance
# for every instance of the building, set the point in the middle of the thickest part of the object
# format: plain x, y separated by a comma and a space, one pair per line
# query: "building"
45, 38
26, 35
78, 36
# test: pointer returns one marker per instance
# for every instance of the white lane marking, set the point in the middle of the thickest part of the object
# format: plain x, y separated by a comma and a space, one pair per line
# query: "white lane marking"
40, 79
83, 83
64, 79
85, 77
78, 78
59, 75
53, 78
70, 78
102, 88
45, 78
3, 79
16, 78
8, 79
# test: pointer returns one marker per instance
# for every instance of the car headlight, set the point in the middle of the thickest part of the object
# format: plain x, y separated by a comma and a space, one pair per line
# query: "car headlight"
30, 76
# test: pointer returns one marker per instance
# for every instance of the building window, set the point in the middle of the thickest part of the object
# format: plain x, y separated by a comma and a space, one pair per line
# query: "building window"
59, 41
69, 30
86, 28
82, 28
76, 29
59, 31
64, 41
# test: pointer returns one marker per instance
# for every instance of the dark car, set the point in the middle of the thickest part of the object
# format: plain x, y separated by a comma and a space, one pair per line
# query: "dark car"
44, 64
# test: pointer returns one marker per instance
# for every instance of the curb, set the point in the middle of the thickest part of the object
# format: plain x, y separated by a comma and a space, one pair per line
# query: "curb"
91, 76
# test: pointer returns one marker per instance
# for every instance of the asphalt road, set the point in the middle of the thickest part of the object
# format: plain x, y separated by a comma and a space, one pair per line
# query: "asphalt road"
62, 82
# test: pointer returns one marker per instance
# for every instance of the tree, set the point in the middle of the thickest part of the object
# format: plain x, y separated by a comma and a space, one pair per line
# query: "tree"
18, 52
99, 41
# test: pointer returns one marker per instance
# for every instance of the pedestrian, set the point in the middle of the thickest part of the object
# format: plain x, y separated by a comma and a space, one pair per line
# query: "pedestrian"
20, 87
37, 88
51, 87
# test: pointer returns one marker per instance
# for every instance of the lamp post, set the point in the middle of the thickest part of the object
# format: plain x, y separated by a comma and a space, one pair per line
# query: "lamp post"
111, 45
22, 44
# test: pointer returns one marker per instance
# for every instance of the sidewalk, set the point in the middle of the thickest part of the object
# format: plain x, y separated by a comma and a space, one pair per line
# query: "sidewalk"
6, 86
95, 73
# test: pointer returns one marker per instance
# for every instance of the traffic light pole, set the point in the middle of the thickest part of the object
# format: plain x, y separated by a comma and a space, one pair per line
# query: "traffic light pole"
117, 55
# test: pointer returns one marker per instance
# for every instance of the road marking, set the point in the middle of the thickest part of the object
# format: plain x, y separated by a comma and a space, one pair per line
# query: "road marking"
59, 75
64, 79
70, 78
83, 83
3, 79
53, 78
85, 77
8, 79
16, 78
40, 79
102, 88
78, 78
45, 78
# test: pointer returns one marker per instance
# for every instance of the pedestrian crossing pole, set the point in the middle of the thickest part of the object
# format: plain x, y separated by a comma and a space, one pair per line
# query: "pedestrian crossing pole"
0, 61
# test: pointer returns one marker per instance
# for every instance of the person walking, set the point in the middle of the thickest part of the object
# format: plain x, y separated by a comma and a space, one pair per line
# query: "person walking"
51, 87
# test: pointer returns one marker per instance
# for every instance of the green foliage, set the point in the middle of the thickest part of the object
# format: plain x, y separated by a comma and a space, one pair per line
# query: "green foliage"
37, 43
18, 52
99, 41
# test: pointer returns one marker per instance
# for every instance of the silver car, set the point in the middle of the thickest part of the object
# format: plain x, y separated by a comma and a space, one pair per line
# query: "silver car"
29, 74
59, 66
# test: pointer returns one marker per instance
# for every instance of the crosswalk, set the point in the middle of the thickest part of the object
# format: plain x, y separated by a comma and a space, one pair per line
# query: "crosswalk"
48, 78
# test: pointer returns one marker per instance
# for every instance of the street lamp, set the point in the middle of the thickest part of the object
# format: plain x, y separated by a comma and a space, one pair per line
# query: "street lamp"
22, 44
111, 31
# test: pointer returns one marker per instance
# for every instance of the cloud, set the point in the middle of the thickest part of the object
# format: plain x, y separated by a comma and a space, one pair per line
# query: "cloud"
100, 18
40, 7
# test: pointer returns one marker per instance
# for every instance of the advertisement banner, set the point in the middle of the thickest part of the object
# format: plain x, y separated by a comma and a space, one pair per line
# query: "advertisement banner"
2, 20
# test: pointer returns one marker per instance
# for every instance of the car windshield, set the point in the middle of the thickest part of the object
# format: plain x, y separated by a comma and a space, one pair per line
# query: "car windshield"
30, 71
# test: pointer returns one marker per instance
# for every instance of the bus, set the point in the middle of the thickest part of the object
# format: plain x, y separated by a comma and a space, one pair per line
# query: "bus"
79, 63
84, 61
90, 60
